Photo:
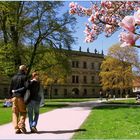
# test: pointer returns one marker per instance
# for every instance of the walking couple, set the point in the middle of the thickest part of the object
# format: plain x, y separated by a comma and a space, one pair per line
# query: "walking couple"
18, 87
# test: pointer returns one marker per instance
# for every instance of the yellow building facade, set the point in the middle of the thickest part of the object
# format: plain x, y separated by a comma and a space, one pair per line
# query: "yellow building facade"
84, 79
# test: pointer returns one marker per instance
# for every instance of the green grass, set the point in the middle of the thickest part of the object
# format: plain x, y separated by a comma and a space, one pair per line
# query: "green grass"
111, 122
129, 101
6, 113
71, 100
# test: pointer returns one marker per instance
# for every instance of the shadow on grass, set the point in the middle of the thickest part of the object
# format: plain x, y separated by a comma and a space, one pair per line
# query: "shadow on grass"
46, 106
121, 103
54, 105
68, 100
59, 131
116, 106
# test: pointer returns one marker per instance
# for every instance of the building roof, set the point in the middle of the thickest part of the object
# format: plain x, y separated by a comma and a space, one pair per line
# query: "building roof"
80, 53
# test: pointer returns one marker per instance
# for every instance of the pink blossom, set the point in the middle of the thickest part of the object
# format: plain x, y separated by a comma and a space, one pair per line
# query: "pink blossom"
95, 7
113, 21
111, 13
96, 14
91, 19
88, 39
124, 44
87, 31
102, 11
129, 38
88, 12
107, 26
108, 4
128, 23
106, 19
72, 11
103, 3
108, 29
137, 17
72, 5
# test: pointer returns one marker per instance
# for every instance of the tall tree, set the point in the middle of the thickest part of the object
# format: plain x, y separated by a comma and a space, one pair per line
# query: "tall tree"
54, 67
11, 18
33, 24
116, 69
124, 54
115, 75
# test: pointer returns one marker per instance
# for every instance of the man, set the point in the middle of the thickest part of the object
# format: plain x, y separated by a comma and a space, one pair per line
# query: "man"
18, 106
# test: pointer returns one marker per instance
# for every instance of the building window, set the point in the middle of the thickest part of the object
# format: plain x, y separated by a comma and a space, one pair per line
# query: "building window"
75, 64
55, 91
92, 66
84, 65
75, 79
85, 79
65, 92
99, 65
85, 92
97, 79
92, 79
93, 91
75, 91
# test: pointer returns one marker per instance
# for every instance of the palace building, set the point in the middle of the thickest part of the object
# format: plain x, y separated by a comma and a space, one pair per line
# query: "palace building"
84, 79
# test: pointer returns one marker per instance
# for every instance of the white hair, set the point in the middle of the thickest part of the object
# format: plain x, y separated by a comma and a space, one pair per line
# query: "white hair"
22, 67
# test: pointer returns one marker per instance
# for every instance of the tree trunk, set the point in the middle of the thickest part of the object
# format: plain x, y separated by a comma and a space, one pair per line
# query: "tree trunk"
32, 58
3, 27
50, 91
15, 38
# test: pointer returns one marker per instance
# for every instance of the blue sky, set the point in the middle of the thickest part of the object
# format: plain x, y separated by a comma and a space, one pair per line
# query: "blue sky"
102, 43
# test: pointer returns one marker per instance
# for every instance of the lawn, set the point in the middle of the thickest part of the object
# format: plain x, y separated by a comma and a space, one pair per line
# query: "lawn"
125, 101
6, 113
112, 122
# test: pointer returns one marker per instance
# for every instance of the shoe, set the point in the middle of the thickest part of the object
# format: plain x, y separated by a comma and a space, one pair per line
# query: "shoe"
33, 129
23, 130
18, 131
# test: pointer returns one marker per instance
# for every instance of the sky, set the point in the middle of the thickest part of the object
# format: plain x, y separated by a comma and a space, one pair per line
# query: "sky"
102, 42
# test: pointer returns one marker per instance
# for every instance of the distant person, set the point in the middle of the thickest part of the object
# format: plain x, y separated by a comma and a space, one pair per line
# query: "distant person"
101, 95
107, 95
138, 98
18, 106
7, 103
34, 102
114, 96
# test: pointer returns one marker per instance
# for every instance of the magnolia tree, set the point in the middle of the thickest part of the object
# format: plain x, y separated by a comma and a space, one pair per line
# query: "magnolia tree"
108, 17
131, 33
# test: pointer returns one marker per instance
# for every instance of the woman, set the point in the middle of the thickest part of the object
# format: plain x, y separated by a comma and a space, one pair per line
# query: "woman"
34, 102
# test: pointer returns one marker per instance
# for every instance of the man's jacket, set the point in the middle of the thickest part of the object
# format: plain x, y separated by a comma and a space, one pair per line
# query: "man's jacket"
18, 81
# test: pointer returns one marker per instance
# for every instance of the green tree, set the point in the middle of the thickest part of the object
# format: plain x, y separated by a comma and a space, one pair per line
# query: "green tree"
27, 26
53, 67
115, 75
124, 54
116, 69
